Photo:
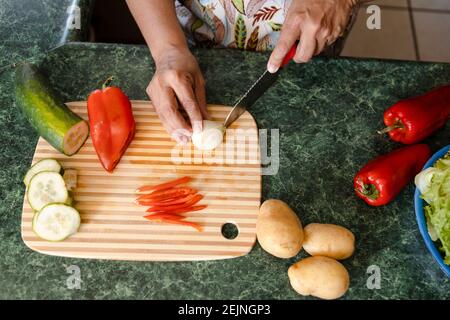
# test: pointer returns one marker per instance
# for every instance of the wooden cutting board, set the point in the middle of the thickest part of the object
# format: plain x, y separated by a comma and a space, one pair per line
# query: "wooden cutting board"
113, 227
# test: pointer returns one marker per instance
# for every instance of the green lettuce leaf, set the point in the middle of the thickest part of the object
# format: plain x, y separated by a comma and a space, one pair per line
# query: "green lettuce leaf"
435, 189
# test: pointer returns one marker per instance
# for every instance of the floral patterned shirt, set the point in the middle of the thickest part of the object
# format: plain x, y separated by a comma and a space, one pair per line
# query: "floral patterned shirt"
243, 24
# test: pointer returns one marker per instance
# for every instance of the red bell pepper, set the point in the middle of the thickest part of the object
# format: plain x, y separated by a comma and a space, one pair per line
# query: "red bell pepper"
382, 178
412, 120
112, 124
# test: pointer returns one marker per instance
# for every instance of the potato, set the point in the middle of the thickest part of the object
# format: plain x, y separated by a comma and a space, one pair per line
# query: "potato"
321, 277
279, 230
328, 240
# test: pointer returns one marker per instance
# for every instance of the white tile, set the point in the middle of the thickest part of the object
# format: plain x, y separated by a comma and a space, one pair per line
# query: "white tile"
431, 4
393, 41
433, 30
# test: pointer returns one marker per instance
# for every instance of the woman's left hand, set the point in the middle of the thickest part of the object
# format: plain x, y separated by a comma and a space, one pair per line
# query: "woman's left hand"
316, 23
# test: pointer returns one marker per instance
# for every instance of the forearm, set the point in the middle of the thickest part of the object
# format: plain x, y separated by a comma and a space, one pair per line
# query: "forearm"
159, 25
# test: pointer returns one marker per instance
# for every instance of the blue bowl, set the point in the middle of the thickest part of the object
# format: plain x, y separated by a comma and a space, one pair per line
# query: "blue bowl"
421, 220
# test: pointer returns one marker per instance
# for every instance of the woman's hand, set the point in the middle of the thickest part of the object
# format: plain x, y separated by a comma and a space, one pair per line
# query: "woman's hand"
316, 23
178, 81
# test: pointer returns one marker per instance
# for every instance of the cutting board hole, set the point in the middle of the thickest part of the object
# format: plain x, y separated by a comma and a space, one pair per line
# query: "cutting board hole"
230, 231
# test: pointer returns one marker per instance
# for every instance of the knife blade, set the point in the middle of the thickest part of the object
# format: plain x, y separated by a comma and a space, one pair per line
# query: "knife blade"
258, 88
249, 98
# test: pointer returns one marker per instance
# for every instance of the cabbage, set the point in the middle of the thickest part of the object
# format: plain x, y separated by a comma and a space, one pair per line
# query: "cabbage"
434, 185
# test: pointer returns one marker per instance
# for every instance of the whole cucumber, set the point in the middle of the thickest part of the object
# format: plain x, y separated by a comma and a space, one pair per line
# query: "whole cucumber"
45, 111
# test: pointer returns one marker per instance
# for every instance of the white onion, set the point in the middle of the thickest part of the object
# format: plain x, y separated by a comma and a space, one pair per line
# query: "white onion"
210, 138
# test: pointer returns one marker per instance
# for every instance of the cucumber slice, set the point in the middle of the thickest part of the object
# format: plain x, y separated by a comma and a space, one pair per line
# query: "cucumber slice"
34, 219
44, 188
42, 165
56, 222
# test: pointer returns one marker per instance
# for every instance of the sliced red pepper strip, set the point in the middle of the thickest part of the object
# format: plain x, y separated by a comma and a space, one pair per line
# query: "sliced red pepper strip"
159, 216
144, 203
190, 203
173, 201
165, 185
190, 209
149, 202
184, 223
187, 204
173, 219
182, 210
168, 194
182, 190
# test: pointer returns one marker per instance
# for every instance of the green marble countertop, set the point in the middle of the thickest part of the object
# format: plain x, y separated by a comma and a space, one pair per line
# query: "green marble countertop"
31, 28
327, 111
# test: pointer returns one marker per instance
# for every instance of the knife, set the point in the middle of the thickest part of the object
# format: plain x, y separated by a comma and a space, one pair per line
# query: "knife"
257, 90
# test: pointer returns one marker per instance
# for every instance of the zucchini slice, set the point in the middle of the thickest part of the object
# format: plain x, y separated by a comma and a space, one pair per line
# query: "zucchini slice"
42, 165
44, 188
56, 222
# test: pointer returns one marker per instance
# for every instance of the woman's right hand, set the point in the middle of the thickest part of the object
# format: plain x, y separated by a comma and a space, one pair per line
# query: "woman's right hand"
178, 82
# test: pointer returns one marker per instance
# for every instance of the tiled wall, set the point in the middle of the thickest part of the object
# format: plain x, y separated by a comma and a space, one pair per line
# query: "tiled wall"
410, 30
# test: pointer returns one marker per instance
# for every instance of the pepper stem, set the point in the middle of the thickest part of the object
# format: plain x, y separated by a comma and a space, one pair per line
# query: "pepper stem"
368, 190
397, 125
107, 82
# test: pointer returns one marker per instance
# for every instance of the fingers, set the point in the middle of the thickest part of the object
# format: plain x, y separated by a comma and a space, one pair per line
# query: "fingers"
289, 34
200, 94
315, 24
164, 91
322, 41
307, 46
185, 92
166, 106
